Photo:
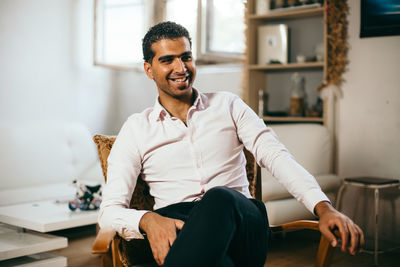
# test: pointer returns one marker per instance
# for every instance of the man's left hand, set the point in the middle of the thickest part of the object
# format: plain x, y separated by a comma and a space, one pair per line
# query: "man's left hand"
351, 235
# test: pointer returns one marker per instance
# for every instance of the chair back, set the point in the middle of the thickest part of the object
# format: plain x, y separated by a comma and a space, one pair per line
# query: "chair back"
136, 251
141, 198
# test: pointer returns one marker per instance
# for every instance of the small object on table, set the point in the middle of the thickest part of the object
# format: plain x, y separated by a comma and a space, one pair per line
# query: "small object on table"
86, 197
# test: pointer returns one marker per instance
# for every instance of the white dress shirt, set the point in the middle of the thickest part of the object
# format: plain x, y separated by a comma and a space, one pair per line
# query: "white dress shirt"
181, 163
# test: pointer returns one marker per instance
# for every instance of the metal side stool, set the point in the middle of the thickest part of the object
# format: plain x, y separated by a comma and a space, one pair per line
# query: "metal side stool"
369, 183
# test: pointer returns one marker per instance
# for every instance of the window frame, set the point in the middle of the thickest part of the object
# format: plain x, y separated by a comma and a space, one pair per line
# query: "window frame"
155, 10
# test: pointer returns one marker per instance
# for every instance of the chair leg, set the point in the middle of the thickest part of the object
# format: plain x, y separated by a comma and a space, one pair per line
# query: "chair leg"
115, 253
325, 252
107, 259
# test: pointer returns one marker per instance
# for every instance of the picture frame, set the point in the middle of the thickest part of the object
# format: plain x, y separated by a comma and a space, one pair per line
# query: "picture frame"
379, 18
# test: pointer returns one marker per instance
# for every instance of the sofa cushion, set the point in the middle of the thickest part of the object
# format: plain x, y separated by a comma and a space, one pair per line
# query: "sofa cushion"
286, 210
59, 192
272, 189
310, 144
45, 152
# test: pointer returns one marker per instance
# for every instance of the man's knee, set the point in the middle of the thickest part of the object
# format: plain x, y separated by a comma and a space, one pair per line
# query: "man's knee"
221, 193
223, 197
226, 199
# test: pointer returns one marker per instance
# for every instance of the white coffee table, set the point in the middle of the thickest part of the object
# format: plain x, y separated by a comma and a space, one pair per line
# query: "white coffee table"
16, 245
46, 216
22, 245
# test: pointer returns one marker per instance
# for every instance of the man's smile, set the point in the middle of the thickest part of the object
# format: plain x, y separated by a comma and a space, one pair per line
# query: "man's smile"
179, 79
180, 82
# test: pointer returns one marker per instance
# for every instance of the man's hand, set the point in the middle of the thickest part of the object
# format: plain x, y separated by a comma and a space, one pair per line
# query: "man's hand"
161, 233
330, 219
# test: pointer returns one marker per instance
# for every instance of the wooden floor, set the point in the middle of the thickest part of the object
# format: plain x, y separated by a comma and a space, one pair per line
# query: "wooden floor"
296, 249
299, 249
79, 247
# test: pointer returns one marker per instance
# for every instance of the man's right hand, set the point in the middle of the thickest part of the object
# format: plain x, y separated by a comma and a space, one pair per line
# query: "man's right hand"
161, 233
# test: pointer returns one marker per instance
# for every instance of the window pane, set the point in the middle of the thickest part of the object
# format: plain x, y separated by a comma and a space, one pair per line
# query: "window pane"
123, 30
184, 12
225, 25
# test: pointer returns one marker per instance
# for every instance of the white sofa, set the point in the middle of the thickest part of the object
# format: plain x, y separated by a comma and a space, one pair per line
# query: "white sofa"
39, 159
311, 146
38, 162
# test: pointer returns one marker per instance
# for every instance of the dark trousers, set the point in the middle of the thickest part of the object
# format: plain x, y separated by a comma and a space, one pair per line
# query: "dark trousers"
224, 229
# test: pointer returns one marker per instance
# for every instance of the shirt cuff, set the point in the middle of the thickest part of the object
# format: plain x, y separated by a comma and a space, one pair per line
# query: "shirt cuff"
313, 197
130, 230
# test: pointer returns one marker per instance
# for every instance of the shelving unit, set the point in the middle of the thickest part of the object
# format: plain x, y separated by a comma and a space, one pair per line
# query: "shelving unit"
259, 76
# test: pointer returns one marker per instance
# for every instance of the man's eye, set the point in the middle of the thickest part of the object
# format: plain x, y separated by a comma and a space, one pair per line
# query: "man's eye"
187, 58
166, 60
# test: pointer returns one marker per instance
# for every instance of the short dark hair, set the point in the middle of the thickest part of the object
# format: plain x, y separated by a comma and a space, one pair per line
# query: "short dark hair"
160, 31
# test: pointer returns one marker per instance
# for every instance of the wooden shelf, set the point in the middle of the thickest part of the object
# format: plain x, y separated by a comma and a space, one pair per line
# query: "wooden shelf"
292, 119
303, 21
293, 14
289, 66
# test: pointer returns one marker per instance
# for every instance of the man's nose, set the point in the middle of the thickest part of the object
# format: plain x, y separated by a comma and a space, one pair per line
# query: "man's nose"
179, 66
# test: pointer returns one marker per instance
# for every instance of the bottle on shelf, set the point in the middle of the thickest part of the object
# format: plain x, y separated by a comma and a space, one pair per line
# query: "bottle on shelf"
297, 96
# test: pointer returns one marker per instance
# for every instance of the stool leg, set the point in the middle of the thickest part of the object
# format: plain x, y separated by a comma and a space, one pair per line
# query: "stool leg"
376, 225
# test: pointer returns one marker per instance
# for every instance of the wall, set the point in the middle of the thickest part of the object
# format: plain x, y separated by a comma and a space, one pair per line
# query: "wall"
368, 122
46, 70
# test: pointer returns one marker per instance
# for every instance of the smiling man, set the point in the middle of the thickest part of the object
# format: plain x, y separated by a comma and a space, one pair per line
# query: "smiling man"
188, 148
173, 70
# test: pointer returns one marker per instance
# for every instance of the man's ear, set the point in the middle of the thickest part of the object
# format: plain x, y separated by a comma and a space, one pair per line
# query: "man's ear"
148, 69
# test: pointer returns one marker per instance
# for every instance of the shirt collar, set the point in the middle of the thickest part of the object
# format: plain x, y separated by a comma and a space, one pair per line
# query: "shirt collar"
159, 112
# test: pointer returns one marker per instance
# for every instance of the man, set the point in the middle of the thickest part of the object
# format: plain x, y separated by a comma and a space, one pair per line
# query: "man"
189, 150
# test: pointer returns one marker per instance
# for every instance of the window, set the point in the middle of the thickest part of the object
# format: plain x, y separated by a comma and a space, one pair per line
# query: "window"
222, 30
119, 29
184, 12
216, 27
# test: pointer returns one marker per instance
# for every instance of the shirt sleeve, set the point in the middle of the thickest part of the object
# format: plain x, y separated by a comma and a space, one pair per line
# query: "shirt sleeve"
271, 154
124, 166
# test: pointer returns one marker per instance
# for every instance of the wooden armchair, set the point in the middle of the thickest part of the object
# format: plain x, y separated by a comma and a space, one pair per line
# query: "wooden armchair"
118, 252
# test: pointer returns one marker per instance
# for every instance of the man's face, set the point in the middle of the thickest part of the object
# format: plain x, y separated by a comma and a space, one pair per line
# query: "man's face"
172, 68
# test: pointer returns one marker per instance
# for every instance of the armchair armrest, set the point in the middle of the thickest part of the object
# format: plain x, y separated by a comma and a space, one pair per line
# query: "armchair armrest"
325, 250
103, 240
296, 225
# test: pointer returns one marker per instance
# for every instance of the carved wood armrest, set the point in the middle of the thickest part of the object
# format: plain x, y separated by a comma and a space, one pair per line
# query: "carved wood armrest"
296, 225
325, 250
103, 240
